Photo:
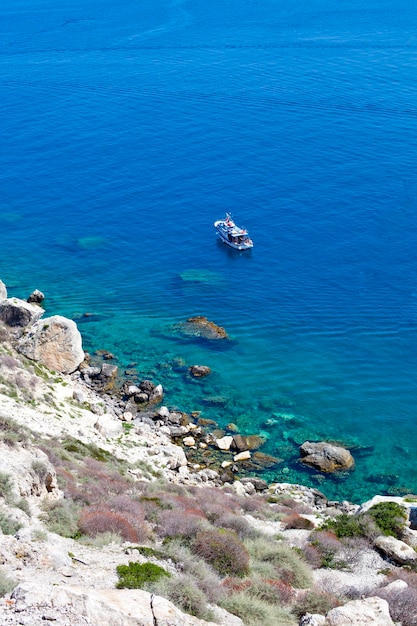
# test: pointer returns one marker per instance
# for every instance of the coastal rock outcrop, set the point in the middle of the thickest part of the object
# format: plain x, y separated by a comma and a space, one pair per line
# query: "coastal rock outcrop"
18, 313
55, 342
326, 457
113, 607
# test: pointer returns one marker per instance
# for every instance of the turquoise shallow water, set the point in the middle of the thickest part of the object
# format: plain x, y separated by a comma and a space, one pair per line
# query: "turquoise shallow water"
127, 130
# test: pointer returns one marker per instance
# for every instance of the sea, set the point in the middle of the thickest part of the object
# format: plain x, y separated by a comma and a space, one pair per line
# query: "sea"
128, 128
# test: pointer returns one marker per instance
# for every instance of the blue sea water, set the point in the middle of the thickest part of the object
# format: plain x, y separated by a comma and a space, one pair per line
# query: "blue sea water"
128, 128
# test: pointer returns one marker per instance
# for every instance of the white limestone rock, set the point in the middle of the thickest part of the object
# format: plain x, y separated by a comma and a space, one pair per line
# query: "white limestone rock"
30, 471
18, 313
367, 612
108, 426
224, 443
3, 291
112, 607
55, 342
396, 550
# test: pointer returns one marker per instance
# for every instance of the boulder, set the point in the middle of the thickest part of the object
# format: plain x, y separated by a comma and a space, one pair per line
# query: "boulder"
36, 297
367, 612
19, 313
258, 483
326, 457
242, 456
199, 371
3, 291
108, 426
224, 443
55, 342
157, 395
396, 550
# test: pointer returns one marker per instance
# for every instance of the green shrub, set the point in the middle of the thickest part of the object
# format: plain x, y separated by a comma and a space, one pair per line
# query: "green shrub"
62, 518
184, 593
347, 526
6, 486
287, 564
390, 517
255, 611
6, 583
8, 525
136, 575
23, 505
223, 550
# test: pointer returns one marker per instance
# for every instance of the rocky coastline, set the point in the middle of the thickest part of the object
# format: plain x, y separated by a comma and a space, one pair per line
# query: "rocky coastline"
56, 402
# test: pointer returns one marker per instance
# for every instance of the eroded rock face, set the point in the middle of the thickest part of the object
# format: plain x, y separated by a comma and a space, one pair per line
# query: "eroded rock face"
19, 313
367, 612
326, 457
55, 342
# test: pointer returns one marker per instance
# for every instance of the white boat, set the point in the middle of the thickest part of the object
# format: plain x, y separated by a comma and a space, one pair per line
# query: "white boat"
233, 235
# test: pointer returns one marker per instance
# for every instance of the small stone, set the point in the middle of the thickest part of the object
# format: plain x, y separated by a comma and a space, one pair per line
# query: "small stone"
127, 417
226, 464
202, 445
189, 442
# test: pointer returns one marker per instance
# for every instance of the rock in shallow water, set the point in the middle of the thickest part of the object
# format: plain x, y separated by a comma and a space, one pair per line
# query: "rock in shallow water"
326, 457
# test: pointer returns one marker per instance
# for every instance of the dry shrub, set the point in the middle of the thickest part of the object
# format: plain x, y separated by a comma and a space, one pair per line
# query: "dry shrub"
215, 503
101, 480
285, 592
292, 505
314, 601
252, 504
236, 585
294, 520
313, 556
97, 520
328, 546
200, 571
223, 550
9, 362
237, 523
402, 602
176, 523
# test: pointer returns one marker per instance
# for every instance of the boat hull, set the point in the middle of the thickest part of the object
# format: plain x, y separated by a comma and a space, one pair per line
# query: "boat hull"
224, 233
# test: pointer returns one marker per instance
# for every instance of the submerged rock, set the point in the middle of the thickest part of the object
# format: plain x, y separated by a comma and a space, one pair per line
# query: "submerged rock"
247, 442
199, 371
201, 327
